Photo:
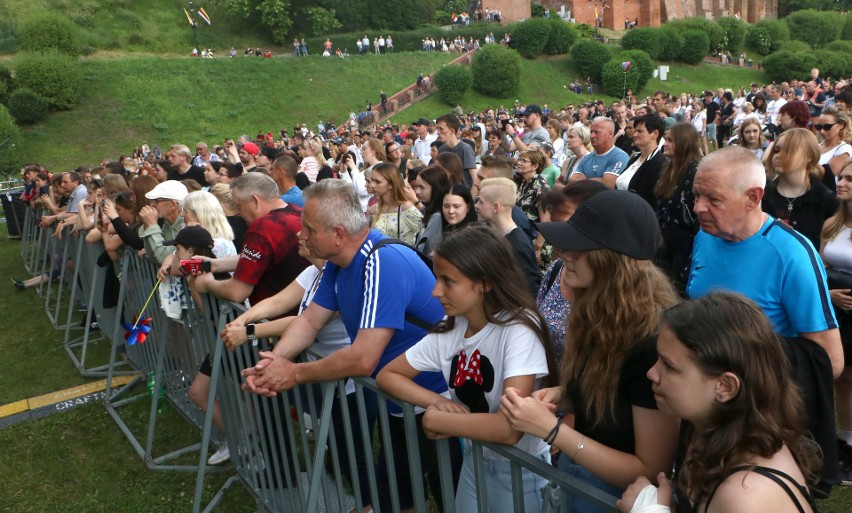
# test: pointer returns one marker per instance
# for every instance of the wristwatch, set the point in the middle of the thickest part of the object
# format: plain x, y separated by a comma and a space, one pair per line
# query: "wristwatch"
250, 334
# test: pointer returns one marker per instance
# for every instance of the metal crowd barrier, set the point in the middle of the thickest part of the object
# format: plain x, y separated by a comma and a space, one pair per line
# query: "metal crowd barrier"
310, 450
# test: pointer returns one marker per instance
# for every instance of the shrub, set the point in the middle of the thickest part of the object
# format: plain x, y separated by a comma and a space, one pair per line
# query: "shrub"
10, 160
834, 63
562, 36
584, 30
6, 80
530, 37
816, 28
846, 33
795, 46
590, 57
839, 46
56, 77
646, 39
735, 33
48, 31
453, 82
27, 107
778, 30
759, 39
641, 65
696, 46
4, 91
713, 30
671, 44
496, 71
784, 65
614, 80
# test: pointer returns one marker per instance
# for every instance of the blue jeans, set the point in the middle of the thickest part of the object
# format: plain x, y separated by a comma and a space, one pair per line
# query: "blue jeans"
498, 484
575, 503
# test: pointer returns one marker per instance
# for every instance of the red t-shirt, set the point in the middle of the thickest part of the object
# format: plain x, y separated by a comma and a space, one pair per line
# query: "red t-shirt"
270, 259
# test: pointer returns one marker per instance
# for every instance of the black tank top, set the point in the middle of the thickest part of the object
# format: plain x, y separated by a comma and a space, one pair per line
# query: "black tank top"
780, 478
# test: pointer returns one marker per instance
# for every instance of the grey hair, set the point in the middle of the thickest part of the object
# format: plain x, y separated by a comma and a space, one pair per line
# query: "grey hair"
254, 184
604, 119
339, 206
744, 170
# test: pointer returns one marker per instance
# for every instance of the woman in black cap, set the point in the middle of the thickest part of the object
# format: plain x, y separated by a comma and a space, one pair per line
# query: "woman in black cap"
618, 434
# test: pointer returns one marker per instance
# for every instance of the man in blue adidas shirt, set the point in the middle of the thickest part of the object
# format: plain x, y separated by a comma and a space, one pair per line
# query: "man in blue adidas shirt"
384, 298
607, 161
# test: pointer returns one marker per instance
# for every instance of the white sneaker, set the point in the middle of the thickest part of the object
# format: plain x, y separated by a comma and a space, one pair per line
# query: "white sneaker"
221, 455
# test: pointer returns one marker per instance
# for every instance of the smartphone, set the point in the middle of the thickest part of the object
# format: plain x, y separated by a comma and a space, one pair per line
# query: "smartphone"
194, 266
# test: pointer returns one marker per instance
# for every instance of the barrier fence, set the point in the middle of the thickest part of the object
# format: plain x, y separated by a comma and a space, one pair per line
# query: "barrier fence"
329, 446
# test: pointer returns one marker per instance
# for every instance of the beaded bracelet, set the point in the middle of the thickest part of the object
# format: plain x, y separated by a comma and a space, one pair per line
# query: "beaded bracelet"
551, 437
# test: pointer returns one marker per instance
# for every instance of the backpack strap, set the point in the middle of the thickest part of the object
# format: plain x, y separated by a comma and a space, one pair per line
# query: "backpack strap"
410, 318
554, 273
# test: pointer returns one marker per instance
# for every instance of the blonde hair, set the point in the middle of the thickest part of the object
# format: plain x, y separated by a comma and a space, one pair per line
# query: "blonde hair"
500, 190
536, 157
391, 175
316, 149
210, 214
838, 222
223, 193
619, 312
840, 117
802, 150
584, 134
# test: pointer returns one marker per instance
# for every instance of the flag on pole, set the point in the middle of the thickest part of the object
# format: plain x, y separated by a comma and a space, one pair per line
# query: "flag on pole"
188, 17
204, 15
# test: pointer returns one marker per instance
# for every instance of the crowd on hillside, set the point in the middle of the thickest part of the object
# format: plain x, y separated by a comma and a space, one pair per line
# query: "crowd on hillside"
670, 252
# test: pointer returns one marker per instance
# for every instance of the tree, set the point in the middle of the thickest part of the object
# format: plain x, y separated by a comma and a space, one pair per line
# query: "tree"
735, 33
496, 71
590, 56
816, 28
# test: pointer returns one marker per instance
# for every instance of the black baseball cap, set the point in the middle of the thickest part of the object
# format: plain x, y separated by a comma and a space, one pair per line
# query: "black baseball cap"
532, 109
617, 220
191, 237
421, 121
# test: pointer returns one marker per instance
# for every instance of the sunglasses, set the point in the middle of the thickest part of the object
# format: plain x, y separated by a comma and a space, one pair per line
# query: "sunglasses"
820, 127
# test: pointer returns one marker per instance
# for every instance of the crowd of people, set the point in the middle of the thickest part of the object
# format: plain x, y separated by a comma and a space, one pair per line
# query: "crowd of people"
604, 287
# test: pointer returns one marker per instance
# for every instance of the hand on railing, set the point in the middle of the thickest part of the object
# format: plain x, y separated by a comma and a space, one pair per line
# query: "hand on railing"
234, 334
646, 503
270, 375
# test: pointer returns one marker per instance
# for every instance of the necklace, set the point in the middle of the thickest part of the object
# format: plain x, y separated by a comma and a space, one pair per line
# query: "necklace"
790, 202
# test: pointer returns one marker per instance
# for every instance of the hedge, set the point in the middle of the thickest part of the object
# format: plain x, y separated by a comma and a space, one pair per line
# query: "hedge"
56, 77
778, 30
834, 63
452, 82
784, 65
562, 36
795, 46
840, 46
529, 37
846, 33
696, 46
671, 44
641, 65
735, 32
496, 71
48, 31
713, 30
10, 160
590, 57
758, 38
614, 80
816, 28
646, 39
27, 107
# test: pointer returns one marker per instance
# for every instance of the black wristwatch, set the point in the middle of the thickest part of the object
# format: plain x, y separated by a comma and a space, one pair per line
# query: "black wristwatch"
250, 334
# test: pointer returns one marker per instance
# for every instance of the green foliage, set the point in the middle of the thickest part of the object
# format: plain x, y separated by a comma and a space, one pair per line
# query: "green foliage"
590, 57
795, 46
6, 80
816, 28
8, 40
452, 82
696, 46
4, 91
584, 30
615, 82
834, 64
536, 10
529, 37
671, 44
642, 66
784, 65
10, 159
496, 71
54, 76
840, 46
759, 39
562, 36
323, 19
735, 32
48, 31
778, 30
846, 33
27, 107
646, 39
713, 30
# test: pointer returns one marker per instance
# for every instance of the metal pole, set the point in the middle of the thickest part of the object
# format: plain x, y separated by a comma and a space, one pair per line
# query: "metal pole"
194, 26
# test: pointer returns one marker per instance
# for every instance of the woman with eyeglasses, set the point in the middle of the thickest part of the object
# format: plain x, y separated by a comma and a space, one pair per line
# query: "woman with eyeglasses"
833, 126
394, 156
531, 185
795, 195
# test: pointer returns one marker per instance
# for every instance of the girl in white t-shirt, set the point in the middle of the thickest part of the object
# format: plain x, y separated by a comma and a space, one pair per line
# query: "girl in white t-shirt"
493, 338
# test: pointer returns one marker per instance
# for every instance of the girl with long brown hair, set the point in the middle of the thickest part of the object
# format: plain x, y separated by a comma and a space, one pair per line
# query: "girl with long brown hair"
393, 214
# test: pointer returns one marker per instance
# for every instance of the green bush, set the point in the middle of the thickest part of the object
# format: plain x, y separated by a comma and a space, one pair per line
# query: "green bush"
56, 77
816, 28
4, 91
846, 33
714, 31
10, 160
584, 30
784, 65
452, 82
530, 37
27, 107
778, 30
834, 63
735, 33
641, 65
496, 71
562, 36
759, 39
696, 46
615, 82
48, 31
839, 46
646, 39
671, 44
590, 57
6, 80
795, 46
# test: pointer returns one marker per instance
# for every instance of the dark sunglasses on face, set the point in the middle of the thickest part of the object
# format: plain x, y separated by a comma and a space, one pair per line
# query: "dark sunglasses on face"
820, 127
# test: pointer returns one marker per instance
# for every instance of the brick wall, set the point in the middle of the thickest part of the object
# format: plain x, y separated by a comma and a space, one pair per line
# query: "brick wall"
512, 10
654, 12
